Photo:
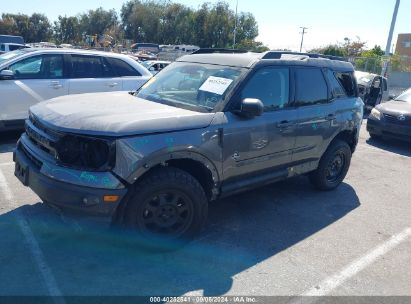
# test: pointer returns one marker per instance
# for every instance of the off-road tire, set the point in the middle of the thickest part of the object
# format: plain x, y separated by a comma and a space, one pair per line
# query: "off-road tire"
320, 178
151, 186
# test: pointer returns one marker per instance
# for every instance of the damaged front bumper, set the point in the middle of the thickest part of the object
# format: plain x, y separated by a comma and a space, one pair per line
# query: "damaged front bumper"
69, 190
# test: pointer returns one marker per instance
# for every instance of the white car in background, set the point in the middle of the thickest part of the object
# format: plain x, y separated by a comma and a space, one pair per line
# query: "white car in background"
28, 76
155, 66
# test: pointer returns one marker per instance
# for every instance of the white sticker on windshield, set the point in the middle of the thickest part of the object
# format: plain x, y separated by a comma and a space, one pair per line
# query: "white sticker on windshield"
216, 85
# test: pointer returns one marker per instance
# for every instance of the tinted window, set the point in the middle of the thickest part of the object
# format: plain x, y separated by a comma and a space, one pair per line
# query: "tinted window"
336, 89
311, 87
89, 67
348, 83
39, 67
271, 86
122, 68
2, 47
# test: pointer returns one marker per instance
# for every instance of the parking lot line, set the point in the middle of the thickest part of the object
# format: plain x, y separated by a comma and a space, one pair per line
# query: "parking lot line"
7, 164
329, 284
34, 247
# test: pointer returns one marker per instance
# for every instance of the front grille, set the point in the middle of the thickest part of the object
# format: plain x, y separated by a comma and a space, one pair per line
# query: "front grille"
394, 119
42, 137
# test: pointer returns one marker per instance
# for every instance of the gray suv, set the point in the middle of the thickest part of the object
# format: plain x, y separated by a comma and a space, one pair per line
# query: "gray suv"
207, 126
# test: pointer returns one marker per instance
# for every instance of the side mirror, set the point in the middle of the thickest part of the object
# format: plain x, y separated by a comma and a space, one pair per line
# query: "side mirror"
6, 75
251, 107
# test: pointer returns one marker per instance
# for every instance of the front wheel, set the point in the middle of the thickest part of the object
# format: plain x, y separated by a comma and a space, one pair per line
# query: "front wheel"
167, 207
333, 166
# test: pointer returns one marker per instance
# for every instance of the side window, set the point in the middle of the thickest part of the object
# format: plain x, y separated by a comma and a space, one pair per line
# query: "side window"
53, 66
122, 68
347, 82
311, 87
39, 67
87, 67
270, 85
2, 47
29, 68
336, 88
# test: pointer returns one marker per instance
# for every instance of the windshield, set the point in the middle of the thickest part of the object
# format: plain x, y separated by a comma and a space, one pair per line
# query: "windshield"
191, 85
406, 96
10, 55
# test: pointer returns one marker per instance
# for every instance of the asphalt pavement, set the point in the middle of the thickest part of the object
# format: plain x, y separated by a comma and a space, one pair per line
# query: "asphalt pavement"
284, 239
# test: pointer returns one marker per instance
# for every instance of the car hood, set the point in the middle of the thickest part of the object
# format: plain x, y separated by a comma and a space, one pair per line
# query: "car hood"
395, 107
115, 114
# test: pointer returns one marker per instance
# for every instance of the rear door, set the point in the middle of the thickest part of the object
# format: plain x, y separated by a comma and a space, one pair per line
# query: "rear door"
36, 78
316, 113
131, 78
90, 73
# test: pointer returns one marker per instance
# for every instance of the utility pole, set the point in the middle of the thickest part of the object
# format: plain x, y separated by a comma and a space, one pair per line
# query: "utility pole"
302, 37
389, 41
235, 24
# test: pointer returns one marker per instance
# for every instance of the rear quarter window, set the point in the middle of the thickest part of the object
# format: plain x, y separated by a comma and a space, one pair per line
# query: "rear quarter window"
122, 68
347, 81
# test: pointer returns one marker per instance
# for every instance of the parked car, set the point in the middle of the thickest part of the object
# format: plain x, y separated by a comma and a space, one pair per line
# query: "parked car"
8, 47
11, 39
373, 89
28, 76
155, 66
208, 126
392, 119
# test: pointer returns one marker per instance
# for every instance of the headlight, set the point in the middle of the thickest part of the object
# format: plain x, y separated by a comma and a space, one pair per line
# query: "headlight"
85, 152
375, 114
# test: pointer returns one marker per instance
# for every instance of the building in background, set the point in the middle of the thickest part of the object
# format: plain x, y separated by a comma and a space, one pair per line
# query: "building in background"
403, 45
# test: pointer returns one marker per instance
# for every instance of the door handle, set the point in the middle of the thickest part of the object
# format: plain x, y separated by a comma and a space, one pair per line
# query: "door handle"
284, 124
55, 85
112, 84
330, 117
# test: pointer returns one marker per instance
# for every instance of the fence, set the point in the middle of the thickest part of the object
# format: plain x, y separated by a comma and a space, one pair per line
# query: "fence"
374, 64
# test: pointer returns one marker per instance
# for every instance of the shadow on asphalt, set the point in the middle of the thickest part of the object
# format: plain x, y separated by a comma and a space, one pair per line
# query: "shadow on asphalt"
242, 231
8, 140
391, 145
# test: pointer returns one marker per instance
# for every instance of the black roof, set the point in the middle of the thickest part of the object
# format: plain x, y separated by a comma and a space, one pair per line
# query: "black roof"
244, 59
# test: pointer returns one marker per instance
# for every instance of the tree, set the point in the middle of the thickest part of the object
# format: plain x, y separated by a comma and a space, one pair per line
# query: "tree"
67, 30
331, 50
40, 28
34, 28
165, 22
7, 25
97, 22
252, 46
354, 48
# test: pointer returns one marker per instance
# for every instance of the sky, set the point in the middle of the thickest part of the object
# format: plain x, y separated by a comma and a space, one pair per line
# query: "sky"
328, 21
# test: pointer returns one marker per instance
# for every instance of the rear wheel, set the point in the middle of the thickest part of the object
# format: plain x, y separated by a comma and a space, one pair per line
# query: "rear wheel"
168, 207
333, 166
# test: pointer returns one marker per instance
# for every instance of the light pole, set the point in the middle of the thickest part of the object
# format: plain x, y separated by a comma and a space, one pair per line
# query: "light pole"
302, 37
235, 24
389, 41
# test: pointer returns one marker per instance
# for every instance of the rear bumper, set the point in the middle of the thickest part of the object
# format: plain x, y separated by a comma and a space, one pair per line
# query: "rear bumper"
384, 129
71, 198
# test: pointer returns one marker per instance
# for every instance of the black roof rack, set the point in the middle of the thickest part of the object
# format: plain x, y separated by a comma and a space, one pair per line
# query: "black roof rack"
221, 51
277, 55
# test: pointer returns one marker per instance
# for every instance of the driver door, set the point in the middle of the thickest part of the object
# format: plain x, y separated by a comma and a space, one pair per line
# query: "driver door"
252, 146
36, 78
